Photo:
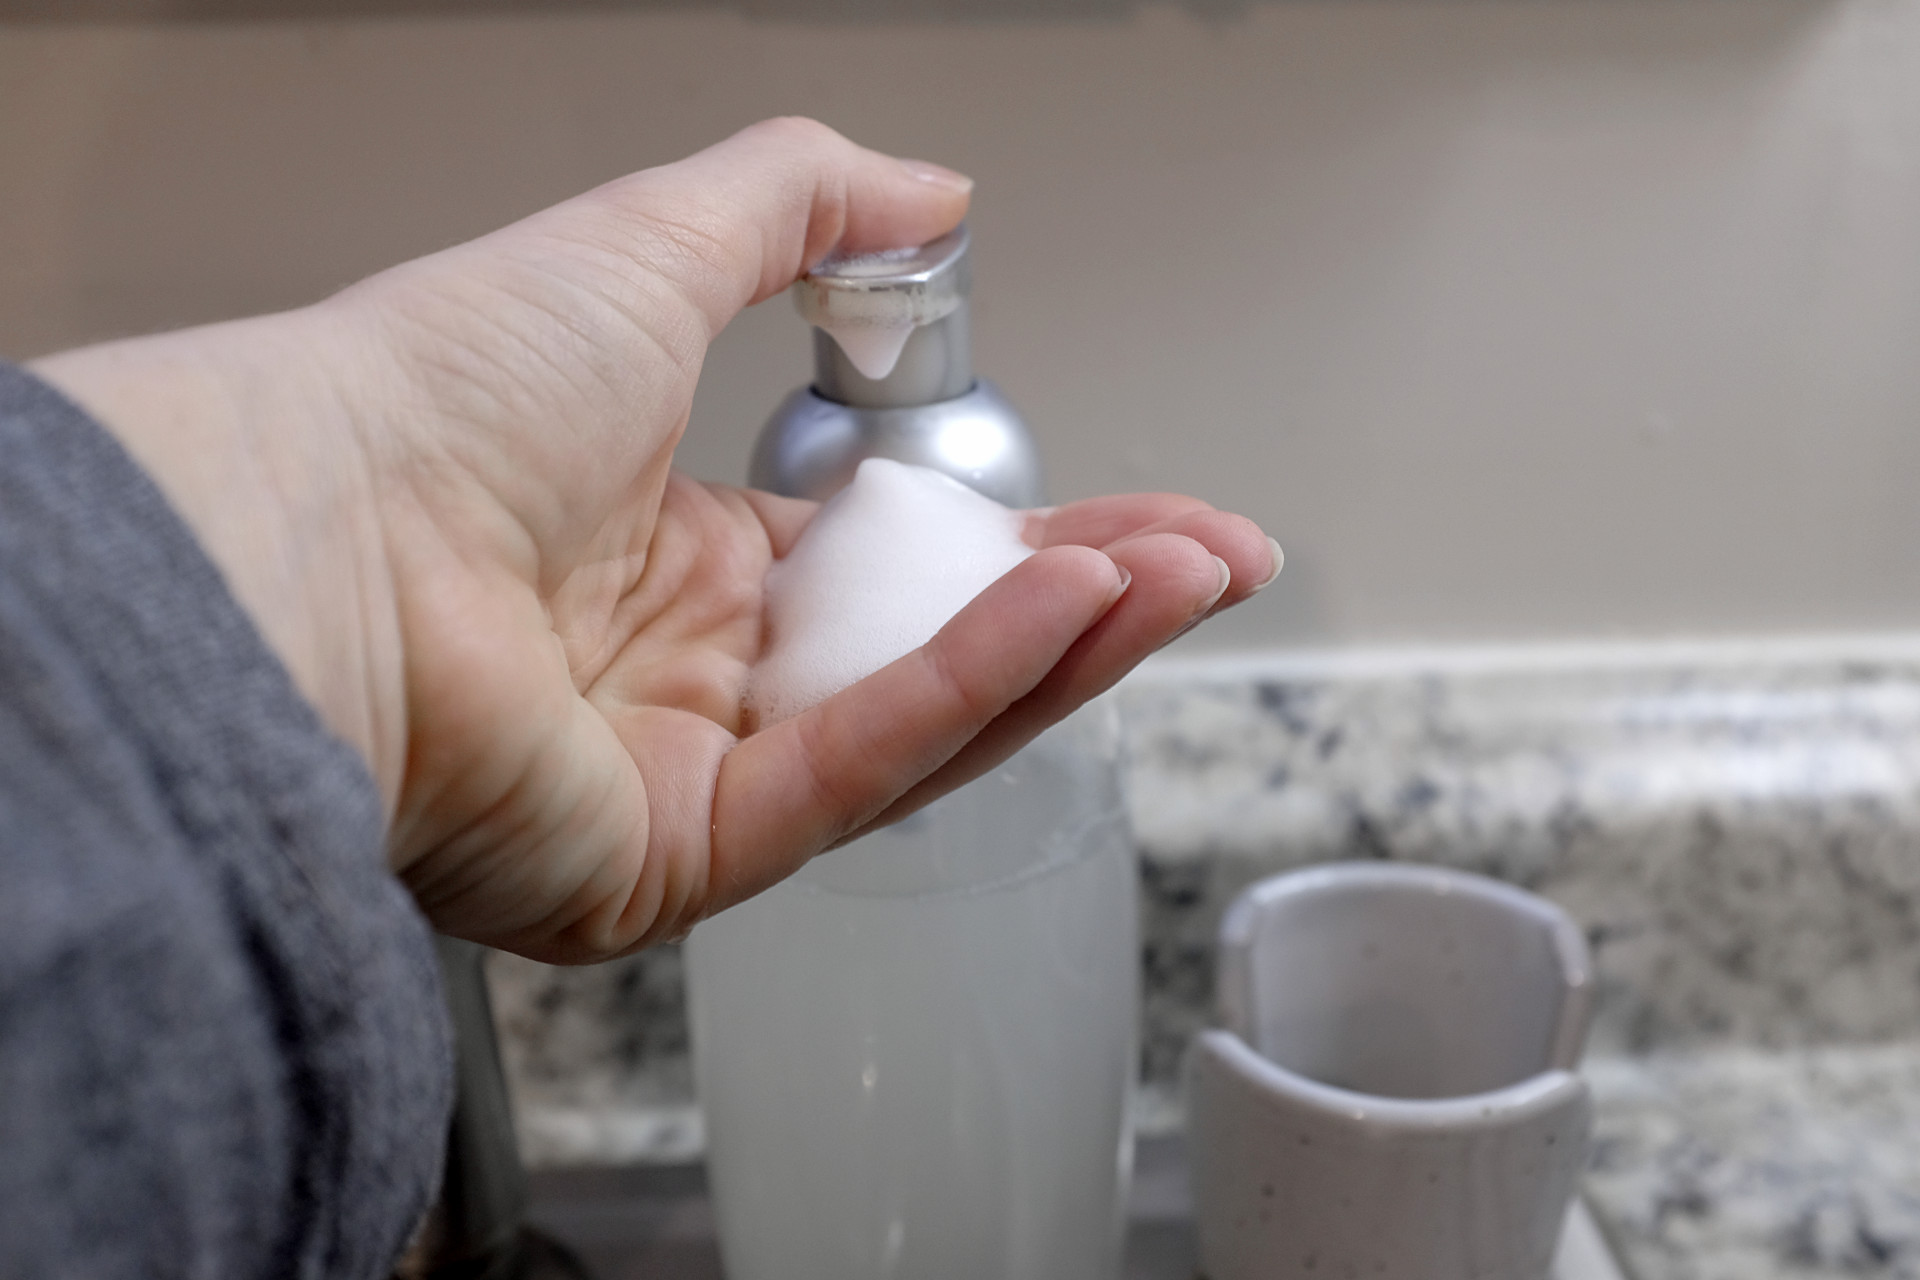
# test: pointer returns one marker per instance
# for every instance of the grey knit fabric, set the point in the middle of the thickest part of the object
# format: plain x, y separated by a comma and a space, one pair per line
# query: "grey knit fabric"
223, 1050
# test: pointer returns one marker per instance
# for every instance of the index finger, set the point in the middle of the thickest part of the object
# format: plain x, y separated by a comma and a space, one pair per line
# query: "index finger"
1100, 522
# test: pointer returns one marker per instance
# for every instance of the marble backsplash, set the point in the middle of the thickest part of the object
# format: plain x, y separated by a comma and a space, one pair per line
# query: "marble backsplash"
1738, 828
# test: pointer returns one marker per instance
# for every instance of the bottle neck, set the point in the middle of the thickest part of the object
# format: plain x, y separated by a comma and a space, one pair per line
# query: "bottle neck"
936, 364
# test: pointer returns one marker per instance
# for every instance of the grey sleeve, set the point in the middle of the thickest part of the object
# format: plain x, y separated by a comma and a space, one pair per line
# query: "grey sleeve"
223, 1049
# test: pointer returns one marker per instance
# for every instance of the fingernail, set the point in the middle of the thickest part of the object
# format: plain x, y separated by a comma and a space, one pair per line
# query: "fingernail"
1126, 579
1226, 580
1279, 558
938, 175
1200, 614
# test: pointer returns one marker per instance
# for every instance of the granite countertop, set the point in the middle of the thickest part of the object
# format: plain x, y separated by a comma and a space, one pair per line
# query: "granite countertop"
1738, 1162
656, 1222
1737, 827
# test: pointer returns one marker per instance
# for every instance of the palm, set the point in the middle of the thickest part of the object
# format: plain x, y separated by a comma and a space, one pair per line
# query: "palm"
567, 793
566, 725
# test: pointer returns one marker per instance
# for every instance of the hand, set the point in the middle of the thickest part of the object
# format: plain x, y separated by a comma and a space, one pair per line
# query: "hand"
445, 497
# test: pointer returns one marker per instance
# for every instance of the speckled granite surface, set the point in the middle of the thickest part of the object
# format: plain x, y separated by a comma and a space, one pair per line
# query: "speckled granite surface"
1738, 828
1731, 1163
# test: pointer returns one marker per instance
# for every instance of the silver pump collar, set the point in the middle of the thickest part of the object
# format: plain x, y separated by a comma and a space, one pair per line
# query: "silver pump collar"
926, 288
901, 286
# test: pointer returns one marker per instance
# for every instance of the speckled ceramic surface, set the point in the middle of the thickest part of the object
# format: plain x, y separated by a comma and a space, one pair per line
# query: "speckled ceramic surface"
1737, 829
1390, 1091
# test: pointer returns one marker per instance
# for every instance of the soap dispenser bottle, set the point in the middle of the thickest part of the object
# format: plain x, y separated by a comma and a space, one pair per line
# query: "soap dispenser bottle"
914, 1056
905, 316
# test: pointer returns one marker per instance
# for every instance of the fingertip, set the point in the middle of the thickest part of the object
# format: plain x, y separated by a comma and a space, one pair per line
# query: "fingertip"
1075, 582
772, 200
897, 204
1251, 556
1279, 562
1226, 580
940, 176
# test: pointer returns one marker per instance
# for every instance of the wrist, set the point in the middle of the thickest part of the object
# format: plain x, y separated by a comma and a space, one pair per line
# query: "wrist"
243, 428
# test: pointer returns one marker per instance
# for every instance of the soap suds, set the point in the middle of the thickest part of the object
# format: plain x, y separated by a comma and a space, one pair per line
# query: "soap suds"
882, 262
879, 570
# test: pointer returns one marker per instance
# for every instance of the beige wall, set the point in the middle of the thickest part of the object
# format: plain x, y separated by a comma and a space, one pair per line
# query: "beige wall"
1580, 318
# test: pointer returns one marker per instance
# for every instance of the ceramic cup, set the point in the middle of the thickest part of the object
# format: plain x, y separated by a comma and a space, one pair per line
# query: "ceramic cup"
1392, 1091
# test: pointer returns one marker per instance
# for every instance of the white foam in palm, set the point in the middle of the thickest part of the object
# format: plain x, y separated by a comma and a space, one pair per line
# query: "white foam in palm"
882, 567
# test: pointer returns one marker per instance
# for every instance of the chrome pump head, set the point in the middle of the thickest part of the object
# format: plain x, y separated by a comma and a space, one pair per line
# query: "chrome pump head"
924, 406
917, 297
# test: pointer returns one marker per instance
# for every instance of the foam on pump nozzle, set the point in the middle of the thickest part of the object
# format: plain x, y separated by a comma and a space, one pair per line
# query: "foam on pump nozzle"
872, 327
871, 303
879, 570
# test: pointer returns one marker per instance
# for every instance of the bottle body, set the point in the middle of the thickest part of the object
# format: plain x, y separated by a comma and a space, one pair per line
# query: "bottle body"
915, 1055
812, 445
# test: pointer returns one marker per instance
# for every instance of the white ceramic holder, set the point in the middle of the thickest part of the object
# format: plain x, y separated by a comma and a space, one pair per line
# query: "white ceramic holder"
1392, 1093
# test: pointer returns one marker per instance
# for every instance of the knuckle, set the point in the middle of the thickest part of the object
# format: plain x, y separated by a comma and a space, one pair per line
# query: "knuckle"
796, 131
963, 689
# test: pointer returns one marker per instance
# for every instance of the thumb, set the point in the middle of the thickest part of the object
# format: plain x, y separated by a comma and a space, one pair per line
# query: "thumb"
556, 356
743, 219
